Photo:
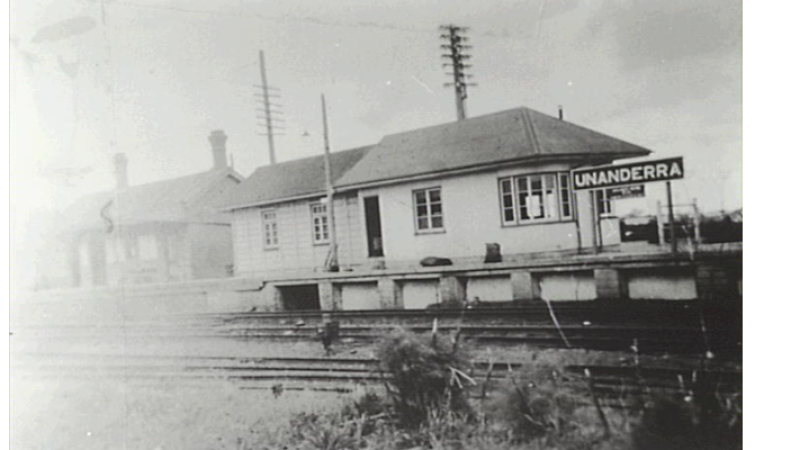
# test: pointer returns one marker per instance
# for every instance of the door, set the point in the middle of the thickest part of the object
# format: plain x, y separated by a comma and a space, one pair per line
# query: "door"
372, 211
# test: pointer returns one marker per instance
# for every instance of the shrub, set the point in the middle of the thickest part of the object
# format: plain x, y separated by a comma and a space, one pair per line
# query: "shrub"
322, 432
545, 402
538, 401
425, 376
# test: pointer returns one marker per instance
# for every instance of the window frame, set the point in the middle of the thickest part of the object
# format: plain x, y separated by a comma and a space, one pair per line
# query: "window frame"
325, 228
428, 217
562, 208
274, 241
603, 204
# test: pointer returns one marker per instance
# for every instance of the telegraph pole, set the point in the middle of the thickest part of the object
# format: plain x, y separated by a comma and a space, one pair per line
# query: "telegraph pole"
332, 265
454, 43
268, 110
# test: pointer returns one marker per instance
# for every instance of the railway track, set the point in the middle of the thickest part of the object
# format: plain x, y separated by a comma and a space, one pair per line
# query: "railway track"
653, 327
209, 348
338, 374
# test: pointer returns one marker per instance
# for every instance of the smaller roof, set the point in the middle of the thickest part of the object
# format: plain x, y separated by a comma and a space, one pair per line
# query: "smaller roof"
189, 198
291, 179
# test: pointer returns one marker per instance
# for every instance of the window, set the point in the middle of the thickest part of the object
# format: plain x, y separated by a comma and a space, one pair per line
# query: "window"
131, 247
148, 246
564, 195
535, 198
319, 223
269, 221
603, 203
428, 215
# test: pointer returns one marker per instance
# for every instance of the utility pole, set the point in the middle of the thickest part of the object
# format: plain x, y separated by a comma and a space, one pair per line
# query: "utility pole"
454, 43
332, 263
265, 96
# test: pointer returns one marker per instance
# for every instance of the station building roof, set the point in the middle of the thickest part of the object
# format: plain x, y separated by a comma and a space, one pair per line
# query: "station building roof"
192, 198
507, 137
520, 134
291, 179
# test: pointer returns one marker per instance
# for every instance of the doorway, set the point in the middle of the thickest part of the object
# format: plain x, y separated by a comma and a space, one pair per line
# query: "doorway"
372, 211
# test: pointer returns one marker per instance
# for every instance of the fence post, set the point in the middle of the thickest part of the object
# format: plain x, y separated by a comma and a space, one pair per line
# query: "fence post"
697, 236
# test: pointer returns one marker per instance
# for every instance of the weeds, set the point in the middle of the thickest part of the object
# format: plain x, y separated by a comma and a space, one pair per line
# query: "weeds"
424, 376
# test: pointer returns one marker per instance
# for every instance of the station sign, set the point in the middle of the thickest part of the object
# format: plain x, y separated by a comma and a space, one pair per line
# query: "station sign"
624, 174
620, 192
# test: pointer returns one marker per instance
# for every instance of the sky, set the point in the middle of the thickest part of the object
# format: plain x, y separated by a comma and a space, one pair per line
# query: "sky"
152, 78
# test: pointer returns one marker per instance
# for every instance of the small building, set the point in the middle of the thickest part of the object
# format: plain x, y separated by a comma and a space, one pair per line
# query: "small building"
168, 230
476, 193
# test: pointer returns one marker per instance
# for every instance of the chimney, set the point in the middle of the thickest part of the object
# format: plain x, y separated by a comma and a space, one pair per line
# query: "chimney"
121, 170
560, 113
217, 139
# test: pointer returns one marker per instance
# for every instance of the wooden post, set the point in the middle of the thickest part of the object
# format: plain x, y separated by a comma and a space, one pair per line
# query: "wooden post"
593, 205
575, 208
267, 109
333, 261
659, 224
673, 240
697, 236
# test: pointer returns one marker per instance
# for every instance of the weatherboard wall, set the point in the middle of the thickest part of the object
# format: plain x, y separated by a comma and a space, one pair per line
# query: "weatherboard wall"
472, 219
296, 249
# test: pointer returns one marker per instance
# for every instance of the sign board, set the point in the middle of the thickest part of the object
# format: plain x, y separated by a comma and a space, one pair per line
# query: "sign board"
633, 191
623, 174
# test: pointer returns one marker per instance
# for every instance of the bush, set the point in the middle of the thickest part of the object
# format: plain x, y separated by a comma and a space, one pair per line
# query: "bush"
322, 432
545, 403
539, 400
425, 376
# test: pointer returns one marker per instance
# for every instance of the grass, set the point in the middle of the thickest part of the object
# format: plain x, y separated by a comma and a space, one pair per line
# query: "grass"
104, 414
536, 407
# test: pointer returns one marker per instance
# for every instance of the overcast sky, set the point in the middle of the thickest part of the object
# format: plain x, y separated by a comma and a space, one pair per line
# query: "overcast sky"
152, 78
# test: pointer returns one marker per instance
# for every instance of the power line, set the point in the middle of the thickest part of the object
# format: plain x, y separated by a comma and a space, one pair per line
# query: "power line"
456, 44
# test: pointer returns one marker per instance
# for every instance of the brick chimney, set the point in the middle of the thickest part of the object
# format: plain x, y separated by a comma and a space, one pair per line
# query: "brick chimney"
218, 139
121, 170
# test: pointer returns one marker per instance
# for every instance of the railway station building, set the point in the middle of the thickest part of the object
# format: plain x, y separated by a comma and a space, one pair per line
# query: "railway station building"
476, 210
165, 231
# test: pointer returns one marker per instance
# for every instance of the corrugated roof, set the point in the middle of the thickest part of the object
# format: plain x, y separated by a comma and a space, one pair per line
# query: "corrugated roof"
291, 179
510, 135
180, 199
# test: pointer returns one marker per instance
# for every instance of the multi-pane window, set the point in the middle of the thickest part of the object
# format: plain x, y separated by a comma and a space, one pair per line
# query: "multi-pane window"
535, 198
269, 223
604, 203
428, 214
319, 223
564, 195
